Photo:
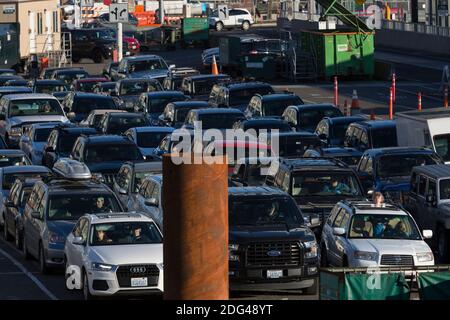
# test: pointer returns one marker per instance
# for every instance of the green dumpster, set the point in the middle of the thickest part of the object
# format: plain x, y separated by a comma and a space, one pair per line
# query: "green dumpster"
195, 31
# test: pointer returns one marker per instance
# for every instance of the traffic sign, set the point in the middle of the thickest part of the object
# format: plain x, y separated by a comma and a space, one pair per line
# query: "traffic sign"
118, 12
223, 12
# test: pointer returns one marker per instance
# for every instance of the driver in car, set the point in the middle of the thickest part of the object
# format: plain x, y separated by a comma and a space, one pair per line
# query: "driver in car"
336, 187
99, 205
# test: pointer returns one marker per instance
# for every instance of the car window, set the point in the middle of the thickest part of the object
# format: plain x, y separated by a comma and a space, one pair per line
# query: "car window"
422, 185
84, 230
369, 166
431, 188
78, 227
414, 184
339, 218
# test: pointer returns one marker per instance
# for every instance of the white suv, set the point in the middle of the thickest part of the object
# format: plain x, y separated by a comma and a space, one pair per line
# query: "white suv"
358, 234
236, 18
115, 254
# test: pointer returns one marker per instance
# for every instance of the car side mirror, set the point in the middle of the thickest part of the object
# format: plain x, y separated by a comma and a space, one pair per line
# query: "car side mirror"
172, 66
122, 191
338, 231
427, 234
152, 202
36, 215
78, 241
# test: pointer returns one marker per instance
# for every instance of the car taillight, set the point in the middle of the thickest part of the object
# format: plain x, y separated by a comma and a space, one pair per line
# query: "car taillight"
253, 52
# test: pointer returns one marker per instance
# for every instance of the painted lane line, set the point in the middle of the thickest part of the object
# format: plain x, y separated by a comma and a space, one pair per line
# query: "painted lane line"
29, 275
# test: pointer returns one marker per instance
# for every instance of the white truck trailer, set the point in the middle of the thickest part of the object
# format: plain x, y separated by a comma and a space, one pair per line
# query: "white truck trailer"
427, 128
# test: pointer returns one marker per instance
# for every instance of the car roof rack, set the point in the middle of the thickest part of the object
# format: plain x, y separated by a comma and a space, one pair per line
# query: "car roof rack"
293, 161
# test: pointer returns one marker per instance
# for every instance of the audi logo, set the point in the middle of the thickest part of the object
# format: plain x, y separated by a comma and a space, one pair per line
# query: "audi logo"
138, 269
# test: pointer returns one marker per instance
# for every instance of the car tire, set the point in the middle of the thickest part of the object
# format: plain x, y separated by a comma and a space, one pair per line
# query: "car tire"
86, 293
26, 255
443, 245
219, 26
18, 238
6, 234
42, 264
97, 56
311, 290
245, 25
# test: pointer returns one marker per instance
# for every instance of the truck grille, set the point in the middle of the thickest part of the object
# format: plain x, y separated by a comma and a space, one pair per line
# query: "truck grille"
125, 273
396, 260
274, 254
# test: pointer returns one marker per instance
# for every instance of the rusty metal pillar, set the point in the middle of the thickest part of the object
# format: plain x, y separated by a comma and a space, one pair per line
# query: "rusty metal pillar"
195, 205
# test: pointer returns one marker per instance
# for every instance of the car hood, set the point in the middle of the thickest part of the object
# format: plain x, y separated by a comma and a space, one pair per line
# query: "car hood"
146, 151
149, 74
127, 254
61, 227
395, 184
388, 246
39, 146
269, 232
14, 121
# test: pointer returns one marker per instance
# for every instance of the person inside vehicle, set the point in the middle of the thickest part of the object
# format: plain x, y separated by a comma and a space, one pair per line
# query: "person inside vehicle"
336, 187
270, 215
100, 206
378, 199
400, 230
46, 108
379, 228
138, 236
102, 238
359, 227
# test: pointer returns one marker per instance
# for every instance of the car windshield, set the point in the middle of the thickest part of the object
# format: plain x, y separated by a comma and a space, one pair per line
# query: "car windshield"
7, 160
117, 152
140, 176
154, 64
24, 196
219, 120
34, 107
66, 141
41, 135
150, 139
123, 233
118, 125
41, 88
385, 137
442, 145
324, 184
243, 96
294, 146
157, 105
310, 118
9, 178
377, 226
263, 211
71, 206
70, 76
276, 107
137, 87
86, 86
401, 164
86, 105
444, 189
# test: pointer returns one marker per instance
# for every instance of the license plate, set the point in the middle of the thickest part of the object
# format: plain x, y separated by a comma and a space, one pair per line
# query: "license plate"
139, 282
274, 274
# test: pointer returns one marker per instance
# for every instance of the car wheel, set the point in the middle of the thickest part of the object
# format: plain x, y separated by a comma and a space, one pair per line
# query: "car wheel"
18, 238
219, 26
245, 25
42, 264
311, 290
87, 294
97, 57
443, 245
25, 253
6, 234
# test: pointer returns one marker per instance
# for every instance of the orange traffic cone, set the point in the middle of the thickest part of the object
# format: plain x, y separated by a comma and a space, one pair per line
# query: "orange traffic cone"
214, 68
354, 109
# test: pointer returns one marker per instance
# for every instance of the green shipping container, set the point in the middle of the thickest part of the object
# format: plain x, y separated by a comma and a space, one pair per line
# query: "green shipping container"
195, 29
340, 53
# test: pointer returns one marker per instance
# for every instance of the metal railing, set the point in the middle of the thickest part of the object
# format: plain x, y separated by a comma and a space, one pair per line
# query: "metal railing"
416, 27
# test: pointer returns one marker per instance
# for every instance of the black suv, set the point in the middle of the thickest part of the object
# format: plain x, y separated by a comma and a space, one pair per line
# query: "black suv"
316, 184
199, 87
371, 134
105, 154
306, 117
60, 142
119, 122
271, 105
95, 44
174, 79
153, 103
78, 105
237, 95
270, 247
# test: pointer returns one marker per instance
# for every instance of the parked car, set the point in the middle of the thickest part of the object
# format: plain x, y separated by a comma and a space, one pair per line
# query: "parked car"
358, 234
143, 66
13, 158
153, 103
148, 199
270, 247
95, 117
86, 84
119, 122
271, 105
174, 114
147, 138
306, 117
262, 125
47, 73
199, 87
17, 111
96, 44
350, 156
49, 86
235, 18
14, 90
68, 75
292, 144
17, 83
128, 91
252, 171
32, 142
104, 88
119, 264
78, 105
174, 79
55, 205
213, 118
332, 130
371, 134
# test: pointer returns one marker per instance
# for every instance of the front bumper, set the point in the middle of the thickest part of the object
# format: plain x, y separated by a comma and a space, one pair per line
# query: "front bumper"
54, 256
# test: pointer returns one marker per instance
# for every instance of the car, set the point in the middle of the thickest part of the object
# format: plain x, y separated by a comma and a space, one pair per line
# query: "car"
108, 67
262, 124
95, 116
17, 83
252, 171
6, 78
128, 91
7, 72
153, 103
86, 84
55, 205
237, 94
49, 86
306, 117
47, 73
18, 111
33, 141
316, 184
168, 144
359, 234
371, 134
12, 157
60, 142
148, 199
388, 170
271, 105
104, 88
292, 144
68, 75
104, 155
213, 118
427, 201
270, 246
235, 18
143, 66
199, 87
131, 44
129, 180
147, 138
113, 262
78, 105
92, 43
14, 90
119, 122
174, 114
332, 130
9, 174
174, 79
350, 156
13, 209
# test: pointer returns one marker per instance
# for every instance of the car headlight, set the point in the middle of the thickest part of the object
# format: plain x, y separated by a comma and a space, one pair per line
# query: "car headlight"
232, 248
15, 131
425, 257
311, 249
55, 238
365, 255
98, 266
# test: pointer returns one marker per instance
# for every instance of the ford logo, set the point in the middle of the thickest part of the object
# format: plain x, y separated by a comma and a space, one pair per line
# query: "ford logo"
274, 253
138, 269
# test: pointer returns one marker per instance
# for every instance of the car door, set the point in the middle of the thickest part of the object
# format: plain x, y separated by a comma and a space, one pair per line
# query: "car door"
79, 250
341, 242
36, 224
70, 249
231, 21
430, 213
120, 185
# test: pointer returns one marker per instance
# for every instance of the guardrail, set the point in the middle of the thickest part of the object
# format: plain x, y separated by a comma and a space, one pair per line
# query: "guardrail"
416, 27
